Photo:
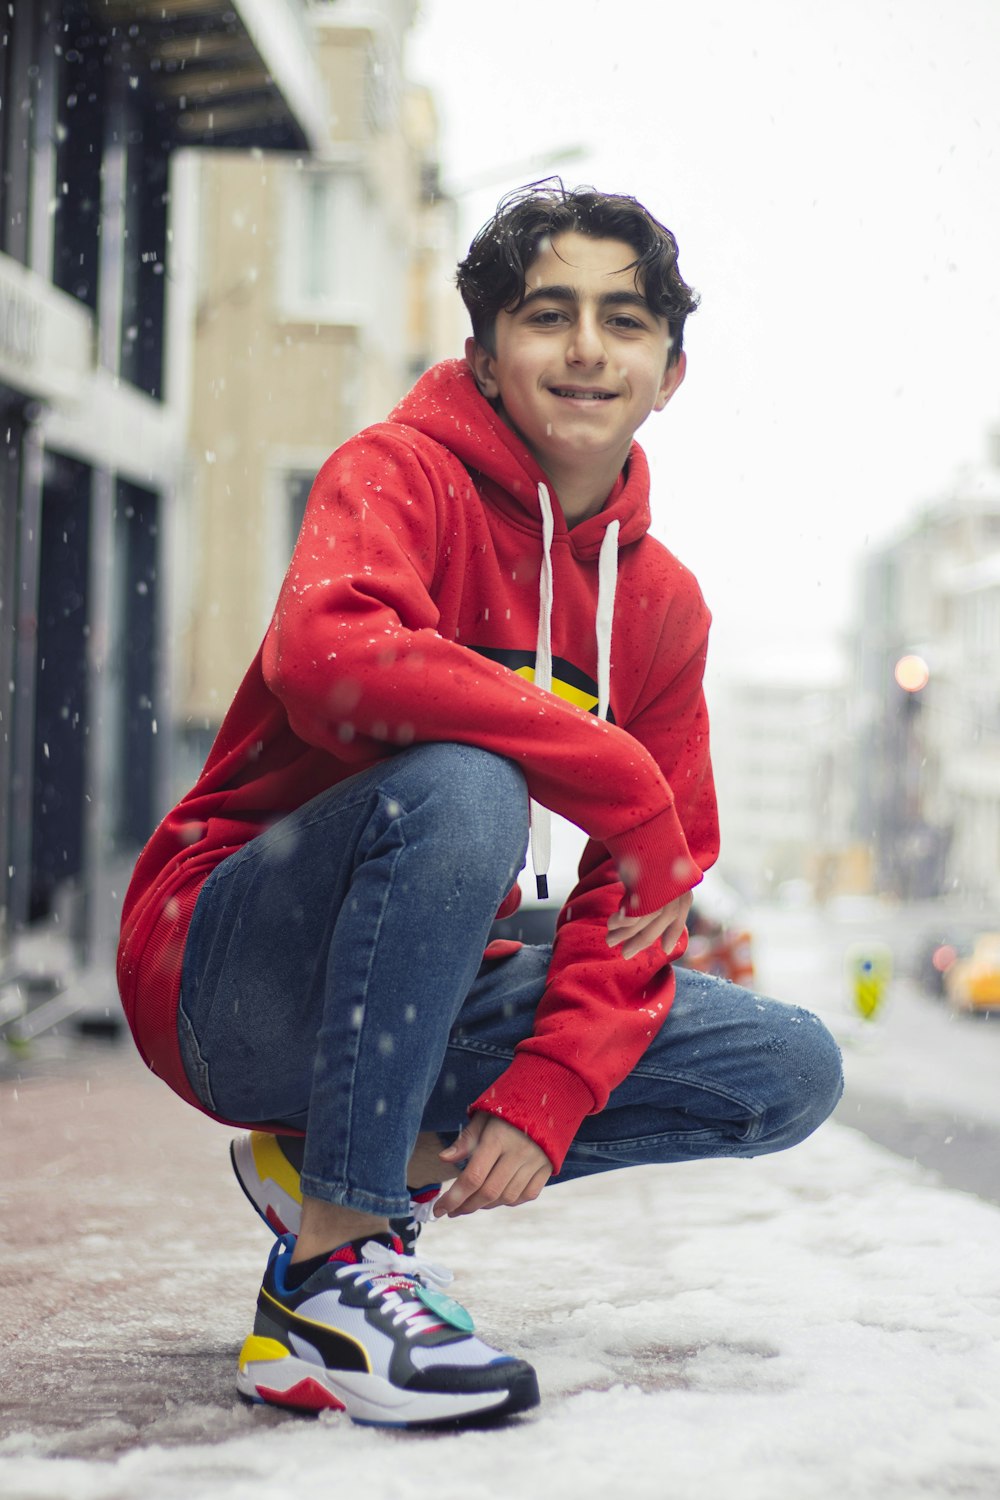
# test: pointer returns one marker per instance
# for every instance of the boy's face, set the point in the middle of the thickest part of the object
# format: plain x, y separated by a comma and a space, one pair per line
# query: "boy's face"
582, 362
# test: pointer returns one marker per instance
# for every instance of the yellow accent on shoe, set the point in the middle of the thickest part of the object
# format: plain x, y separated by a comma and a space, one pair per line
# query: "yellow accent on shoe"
257, 1349
272, 1162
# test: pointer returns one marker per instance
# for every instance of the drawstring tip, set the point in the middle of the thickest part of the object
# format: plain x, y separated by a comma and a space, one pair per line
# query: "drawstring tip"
542, 884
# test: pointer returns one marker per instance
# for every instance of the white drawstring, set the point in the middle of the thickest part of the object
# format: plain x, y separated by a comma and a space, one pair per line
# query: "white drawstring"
607, 583
541, 818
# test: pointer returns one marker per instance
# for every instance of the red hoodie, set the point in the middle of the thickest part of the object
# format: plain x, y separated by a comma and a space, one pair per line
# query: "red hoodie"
410, 613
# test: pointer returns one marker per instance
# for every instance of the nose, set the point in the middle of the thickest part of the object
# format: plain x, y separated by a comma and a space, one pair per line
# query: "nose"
586, 344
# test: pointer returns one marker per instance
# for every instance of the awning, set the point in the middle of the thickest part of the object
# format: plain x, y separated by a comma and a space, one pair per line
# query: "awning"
221, 72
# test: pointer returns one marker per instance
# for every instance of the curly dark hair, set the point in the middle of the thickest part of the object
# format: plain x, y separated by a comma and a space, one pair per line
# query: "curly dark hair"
491, 278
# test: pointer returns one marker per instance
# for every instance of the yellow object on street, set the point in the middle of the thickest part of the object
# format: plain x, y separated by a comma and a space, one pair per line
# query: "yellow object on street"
869, 970
973, 983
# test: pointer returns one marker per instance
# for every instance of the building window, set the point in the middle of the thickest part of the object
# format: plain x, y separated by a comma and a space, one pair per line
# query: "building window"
325, 252
298, 483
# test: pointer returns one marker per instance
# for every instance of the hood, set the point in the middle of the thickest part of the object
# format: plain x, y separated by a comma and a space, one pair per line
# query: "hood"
448, 406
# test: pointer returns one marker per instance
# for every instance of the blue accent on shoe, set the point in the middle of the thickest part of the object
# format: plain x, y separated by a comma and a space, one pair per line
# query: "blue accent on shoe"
369, 1422
280, 1259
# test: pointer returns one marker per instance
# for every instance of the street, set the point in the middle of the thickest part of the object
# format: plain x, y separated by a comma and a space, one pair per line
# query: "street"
922, 1078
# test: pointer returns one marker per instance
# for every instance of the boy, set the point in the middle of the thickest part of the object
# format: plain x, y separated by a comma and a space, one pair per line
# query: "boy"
474, 620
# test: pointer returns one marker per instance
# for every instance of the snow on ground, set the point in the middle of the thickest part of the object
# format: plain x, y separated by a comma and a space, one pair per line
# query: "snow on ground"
810, 1326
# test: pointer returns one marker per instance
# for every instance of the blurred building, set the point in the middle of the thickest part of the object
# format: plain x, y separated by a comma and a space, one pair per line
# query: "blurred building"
98, 96
928, 759
779, 754
323, 290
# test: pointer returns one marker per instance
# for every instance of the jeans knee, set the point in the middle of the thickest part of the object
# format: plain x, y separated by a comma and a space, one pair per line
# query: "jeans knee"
827, 1063
475, 806
817, 1079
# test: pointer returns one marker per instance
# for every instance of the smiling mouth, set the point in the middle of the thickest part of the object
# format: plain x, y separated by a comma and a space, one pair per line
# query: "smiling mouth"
581, 395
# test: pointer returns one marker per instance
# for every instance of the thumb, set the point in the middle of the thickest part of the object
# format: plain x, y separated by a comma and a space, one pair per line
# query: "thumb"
465, 1141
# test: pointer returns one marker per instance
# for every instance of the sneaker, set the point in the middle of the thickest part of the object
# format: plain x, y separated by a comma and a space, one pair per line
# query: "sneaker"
268, 1179
271, 1183
372, 1333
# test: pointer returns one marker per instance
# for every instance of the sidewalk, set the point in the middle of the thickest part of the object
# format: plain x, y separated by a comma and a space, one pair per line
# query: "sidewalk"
806, 1327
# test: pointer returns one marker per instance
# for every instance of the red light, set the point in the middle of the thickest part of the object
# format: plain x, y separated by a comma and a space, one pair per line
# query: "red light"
942, 958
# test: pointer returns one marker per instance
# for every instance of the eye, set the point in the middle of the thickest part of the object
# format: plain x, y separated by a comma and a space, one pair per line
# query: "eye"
624, 321
548, 317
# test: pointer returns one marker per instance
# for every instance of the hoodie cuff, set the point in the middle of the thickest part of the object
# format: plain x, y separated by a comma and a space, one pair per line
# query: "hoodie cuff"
654, 863
542, 1098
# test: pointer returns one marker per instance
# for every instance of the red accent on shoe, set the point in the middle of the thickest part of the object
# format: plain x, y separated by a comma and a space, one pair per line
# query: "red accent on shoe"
305, 1395
347, 1254
350, 1256
275, 1222
426, 1194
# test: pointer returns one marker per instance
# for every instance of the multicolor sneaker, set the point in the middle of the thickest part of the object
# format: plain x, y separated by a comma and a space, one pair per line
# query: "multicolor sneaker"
373, 1334
271, 1183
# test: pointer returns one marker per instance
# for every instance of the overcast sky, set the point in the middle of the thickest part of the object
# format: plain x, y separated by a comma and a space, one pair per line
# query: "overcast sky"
832, 173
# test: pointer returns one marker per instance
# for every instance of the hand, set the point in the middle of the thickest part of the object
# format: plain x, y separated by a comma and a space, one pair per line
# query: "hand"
636, 933
505, 1167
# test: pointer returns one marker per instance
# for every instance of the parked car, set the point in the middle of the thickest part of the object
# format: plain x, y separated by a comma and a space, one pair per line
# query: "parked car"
939, 950
973, 983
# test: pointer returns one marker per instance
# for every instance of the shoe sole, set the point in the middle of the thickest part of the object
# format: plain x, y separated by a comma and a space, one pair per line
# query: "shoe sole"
271, 1375
269, 1181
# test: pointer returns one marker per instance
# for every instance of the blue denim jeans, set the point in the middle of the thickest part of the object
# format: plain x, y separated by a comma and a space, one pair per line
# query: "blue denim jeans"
334, 981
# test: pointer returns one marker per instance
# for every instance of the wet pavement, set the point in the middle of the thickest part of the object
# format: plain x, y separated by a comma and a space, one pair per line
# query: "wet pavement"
128, 1262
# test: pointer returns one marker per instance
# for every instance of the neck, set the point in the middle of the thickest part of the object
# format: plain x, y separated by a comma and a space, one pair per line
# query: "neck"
582, 495
582, 489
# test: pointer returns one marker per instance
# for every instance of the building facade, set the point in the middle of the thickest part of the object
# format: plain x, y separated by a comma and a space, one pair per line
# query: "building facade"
779, 754
97, 97
322, 293
928, 760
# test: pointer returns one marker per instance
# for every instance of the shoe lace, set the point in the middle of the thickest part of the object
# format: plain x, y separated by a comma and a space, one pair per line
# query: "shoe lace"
391, 1278
421, 1210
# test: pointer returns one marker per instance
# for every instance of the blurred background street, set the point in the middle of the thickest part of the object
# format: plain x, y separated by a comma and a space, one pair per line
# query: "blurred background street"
921, 1076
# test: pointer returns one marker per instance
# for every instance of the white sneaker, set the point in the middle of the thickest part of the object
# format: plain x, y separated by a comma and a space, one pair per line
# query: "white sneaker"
372, 1333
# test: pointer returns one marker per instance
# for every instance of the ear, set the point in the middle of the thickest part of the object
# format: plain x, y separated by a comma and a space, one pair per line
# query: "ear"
483, 366
672, 377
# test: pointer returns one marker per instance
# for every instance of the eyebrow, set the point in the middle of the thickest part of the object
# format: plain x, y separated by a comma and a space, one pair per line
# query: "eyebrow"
570, 294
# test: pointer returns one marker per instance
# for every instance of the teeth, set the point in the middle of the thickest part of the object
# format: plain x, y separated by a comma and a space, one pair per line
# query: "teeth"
584, 395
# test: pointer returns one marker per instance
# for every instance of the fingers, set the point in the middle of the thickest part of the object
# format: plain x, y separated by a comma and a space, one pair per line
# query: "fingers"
524, 1189
505, 1168
634, 934
467, 1139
